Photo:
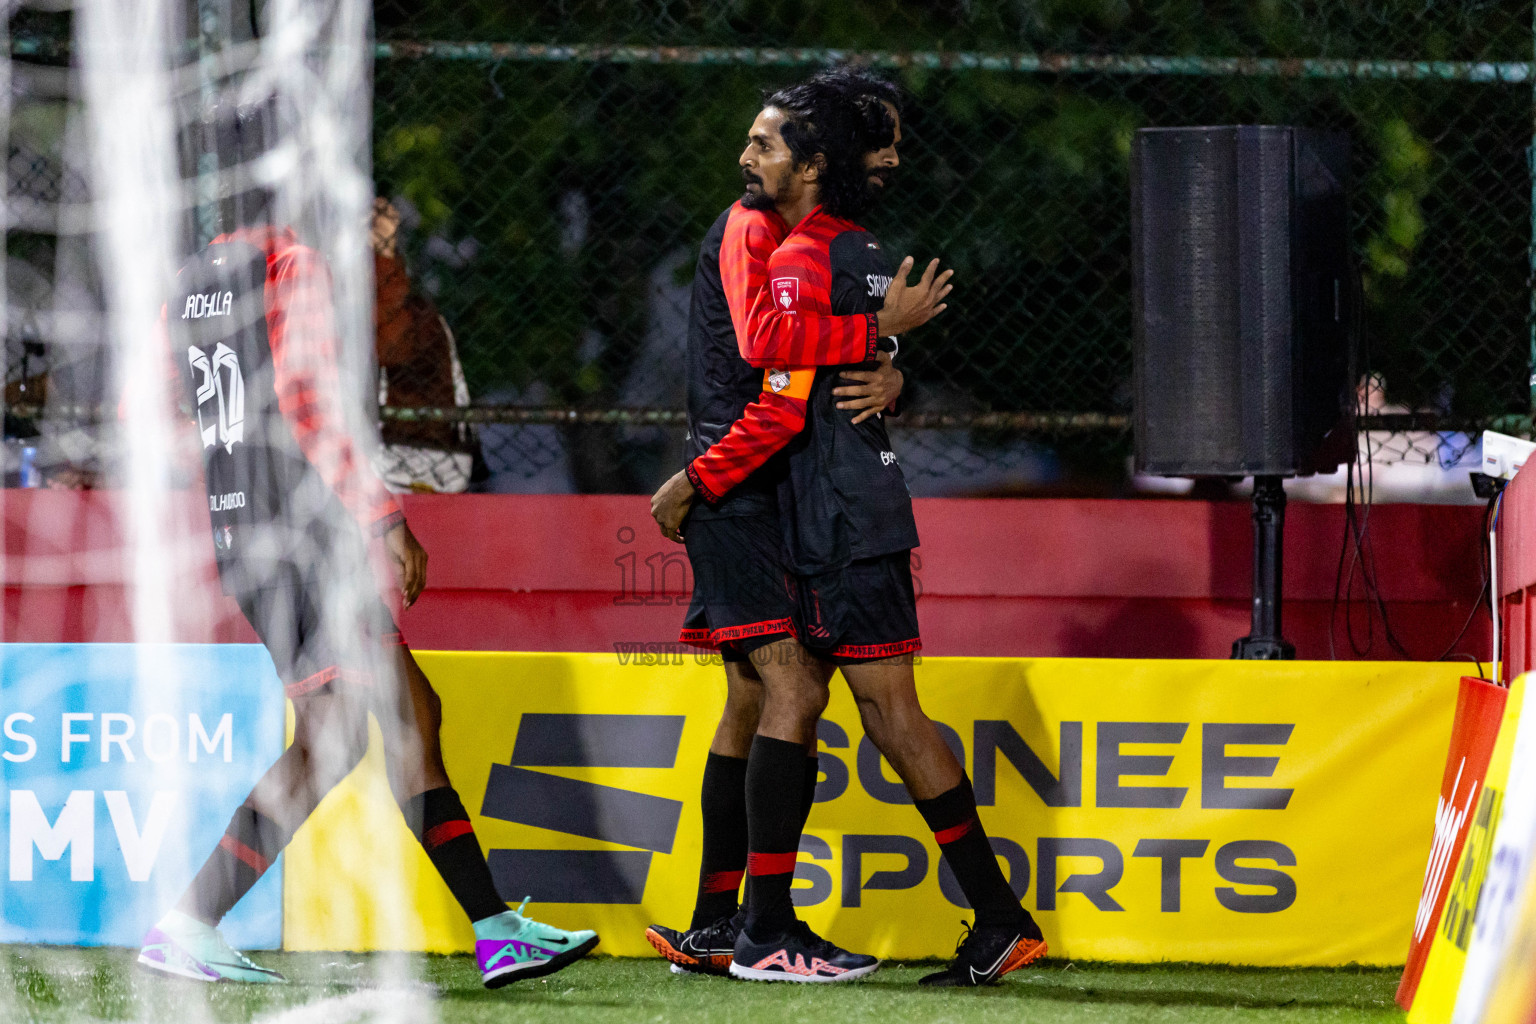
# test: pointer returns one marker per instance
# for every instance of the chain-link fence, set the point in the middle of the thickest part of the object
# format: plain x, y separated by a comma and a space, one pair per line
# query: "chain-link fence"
560, 167
554, 167
56, 372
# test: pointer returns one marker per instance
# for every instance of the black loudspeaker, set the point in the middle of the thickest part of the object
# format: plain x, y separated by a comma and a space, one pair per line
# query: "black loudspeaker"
1243, 293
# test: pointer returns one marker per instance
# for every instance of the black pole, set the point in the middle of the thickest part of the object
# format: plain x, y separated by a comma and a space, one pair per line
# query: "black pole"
1264, 641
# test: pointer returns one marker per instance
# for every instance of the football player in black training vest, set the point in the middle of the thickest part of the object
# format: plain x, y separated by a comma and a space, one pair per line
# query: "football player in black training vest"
849, 531
738, 423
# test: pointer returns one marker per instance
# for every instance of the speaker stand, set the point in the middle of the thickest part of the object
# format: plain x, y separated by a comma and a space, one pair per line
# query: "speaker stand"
1264, 642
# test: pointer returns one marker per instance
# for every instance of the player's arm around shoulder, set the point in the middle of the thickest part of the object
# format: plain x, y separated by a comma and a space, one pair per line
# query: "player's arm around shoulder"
791, 322
766, 425
753, 235
800, 277
750, 238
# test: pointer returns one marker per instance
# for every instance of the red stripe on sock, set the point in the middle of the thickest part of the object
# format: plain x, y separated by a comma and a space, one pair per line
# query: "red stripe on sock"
723, 881
949, 835
437, 835
770, 863
244, 854
310, 684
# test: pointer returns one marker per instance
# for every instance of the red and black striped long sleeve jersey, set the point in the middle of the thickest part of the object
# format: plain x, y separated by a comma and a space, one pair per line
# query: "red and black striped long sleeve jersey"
720, 383
733, 267
284, 479
771, 331
739, 425
844, 497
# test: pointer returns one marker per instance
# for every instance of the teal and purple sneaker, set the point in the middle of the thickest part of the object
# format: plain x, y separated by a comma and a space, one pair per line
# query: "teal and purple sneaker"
510, 947
185, 947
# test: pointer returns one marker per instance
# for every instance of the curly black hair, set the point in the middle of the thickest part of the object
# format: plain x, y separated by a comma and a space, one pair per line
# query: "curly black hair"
833, 119
869, 94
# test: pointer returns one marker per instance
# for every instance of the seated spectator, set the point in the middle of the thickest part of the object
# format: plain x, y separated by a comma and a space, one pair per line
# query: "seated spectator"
418, 367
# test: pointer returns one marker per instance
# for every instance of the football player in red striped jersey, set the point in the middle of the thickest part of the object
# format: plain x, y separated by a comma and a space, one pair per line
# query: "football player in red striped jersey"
740, 418
740, 605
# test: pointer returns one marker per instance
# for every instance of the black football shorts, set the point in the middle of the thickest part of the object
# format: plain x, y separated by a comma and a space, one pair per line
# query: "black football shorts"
863, 612
740, 589
311, 645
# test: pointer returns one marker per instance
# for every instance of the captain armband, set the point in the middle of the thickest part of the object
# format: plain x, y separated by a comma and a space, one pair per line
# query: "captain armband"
789, 383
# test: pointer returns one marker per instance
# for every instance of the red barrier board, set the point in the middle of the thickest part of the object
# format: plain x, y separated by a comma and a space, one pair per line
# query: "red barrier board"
1479, 712
997, 577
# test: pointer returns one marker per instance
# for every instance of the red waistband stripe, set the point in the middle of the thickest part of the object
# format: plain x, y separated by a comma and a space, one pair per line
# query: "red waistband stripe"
712, 639
874, 652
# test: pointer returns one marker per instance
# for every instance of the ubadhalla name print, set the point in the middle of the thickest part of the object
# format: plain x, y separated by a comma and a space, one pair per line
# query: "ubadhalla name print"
211, 304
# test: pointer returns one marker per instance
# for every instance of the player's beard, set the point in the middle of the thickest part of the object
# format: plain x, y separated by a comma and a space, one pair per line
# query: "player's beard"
887, 178
760, 199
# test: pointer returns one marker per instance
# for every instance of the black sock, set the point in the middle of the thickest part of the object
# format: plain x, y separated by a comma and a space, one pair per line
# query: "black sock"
438, 820
248, 847
952, 817
723, 799
812, 775
775, 799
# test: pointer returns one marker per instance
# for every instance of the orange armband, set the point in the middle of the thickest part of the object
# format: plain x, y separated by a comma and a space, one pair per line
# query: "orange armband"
790, 383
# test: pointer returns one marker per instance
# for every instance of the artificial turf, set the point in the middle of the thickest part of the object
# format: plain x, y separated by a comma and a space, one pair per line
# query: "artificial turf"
45, 984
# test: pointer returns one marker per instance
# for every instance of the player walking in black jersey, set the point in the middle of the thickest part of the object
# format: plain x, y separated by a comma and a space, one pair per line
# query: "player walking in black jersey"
292, 505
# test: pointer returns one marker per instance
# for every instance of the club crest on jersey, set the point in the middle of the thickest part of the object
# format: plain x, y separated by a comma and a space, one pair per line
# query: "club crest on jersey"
778, 380
210, 304
786, 293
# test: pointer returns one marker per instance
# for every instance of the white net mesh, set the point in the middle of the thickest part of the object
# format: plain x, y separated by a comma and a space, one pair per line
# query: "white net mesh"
118, 176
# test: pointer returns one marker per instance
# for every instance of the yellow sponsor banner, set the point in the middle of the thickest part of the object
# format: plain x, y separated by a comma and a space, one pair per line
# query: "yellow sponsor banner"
1513, 996
1235, 812
1513, 999
1435, 999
